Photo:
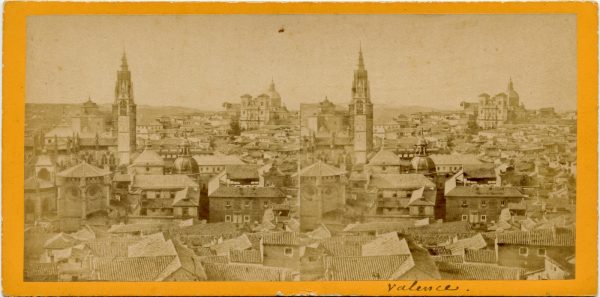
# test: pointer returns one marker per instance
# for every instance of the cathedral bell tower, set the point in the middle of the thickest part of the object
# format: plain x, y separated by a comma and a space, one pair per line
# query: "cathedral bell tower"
361, 113
124, 114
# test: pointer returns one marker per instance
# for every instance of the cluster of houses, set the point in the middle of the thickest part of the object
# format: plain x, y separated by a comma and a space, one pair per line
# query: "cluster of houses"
326, 194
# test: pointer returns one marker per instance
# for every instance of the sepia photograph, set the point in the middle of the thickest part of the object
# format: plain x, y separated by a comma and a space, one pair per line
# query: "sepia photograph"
290, 147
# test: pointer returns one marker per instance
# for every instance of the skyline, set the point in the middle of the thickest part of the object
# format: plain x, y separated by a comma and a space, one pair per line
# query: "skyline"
196, 65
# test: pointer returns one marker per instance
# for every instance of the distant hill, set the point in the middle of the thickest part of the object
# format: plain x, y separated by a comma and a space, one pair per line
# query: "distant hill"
46, 114
383, 113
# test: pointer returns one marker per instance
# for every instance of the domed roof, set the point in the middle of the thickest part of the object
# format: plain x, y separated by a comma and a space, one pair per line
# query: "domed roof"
273, 94
511, 90
185, 165
422, 164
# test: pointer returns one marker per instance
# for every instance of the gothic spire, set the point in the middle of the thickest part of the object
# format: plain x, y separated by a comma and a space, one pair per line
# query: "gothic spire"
361, 63
124, 61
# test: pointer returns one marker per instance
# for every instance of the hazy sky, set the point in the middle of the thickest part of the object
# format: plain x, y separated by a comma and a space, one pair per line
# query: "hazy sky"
203, 60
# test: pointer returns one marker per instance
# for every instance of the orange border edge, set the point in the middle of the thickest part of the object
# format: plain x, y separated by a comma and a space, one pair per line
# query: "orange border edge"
15, 14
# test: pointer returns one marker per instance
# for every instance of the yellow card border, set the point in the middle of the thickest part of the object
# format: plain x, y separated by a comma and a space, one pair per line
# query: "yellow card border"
15, 14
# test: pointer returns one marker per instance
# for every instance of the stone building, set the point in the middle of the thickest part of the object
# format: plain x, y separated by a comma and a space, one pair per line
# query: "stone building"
325, 125
242, 205
82, 190
124, 114
322, 194
492, 111
262, 110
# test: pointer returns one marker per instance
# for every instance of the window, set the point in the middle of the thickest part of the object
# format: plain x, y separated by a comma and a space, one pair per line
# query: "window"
247, 204
227, 218
464, 218
503, 203
523, 251
483, 218
246, 218
147, 169
266, 204
483, 203
464, 203
288, 251
228, 204
541, 252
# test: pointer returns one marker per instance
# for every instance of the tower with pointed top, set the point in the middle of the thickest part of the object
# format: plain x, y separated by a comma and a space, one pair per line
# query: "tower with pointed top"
513, 96
124, 114
361, 113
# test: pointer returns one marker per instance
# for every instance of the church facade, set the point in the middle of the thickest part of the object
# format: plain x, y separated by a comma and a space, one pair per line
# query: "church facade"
265, 109
338, 135
492, 111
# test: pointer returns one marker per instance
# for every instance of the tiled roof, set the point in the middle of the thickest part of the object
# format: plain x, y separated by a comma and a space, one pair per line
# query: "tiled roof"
462, 159
204, 251
214, 259
400, 181
480, 256
220, 160
484, 170
385, 157
346, 245
131, 228
35, 270
247, 192
60, 241
439, 251
384, 245
443, 228
239, 243
246, 256
484, 191
448, 258
214, 229
170, 181
320, 169
110, 247
198, 240
475, 242
245, 171
149, 157
131, 269
152, 248
83, 169
246, 272
186, 197
365, 268
281, 238
379, 227
545, 237
467, 271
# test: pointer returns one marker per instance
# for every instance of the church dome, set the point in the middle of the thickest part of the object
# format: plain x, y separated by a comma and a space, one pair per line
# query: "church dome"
422, 164
272, 92
185, 165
